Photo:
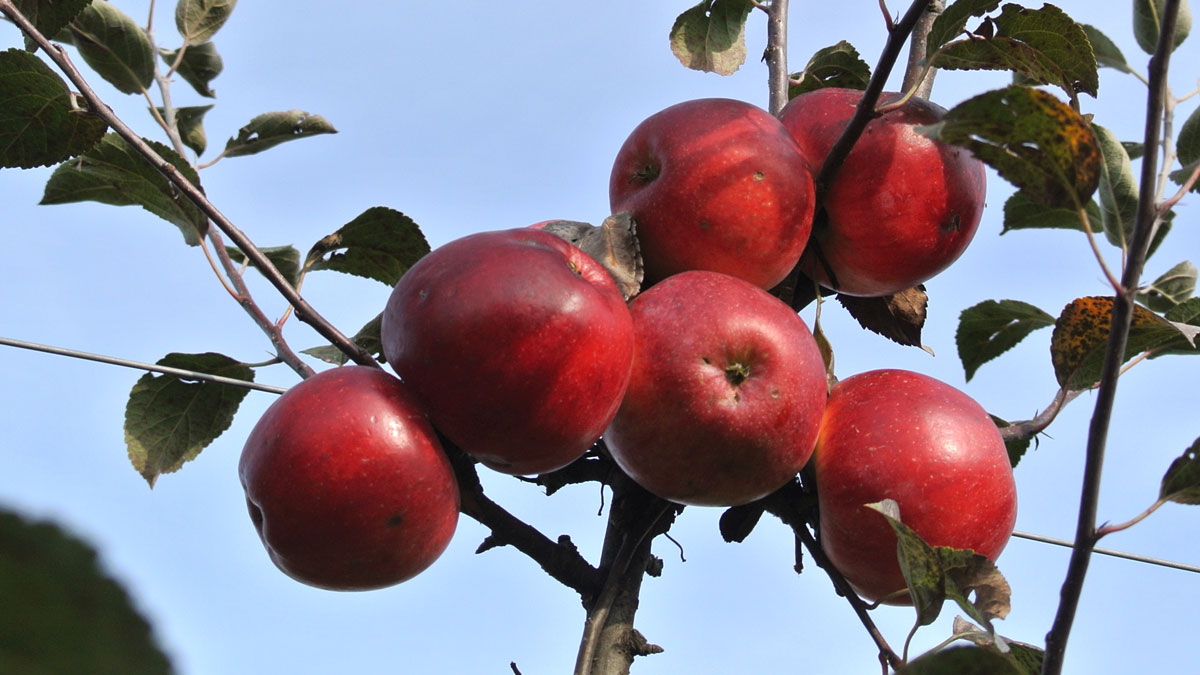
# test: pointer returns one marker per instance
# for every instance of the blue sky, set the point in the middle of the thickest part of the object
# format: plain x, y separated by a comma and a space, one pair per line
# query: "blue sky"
477, 116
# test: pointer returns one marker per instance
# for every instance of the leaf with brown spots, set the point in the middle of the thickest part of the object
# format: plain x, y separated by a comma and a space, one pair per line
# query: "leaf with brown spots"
1032, 139
898, 317
1081, 336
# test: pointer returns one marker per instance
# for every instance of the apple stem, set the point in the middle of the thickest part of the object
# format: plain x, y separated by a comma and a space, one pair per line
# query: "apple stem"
1148, 214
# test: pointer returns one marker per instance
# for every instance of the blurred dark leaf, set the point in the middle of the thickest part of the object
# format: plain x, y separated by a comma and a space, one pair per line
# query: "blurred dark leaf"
63, 613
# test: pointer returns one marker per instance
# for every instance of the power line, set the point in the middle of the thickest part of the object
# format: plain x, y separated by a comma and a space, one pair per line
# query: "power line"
1109, 552
165, 370
193, 375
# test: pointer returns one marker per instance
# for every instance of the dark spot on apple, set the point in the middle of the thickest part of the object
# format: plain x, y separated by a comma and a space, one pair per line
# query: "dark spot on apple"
704, 225
707, 361
953, 224
758, 175
737, 373
396, 520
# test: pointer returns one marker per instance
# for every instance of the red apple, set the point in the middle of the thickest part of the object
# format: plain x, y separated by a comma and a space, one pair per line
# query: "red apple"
901, 209
346, 482
715, 184
517, 343
726, 394
895, 434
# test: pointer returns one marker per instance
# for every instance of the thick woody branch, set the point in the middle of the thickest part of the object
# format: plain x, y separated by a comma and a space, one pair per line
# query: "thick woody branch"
560, 559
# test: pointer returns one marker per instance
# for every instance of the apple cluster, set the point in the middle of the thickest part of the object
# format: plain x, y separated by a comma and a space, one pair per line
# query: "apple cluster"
523, 350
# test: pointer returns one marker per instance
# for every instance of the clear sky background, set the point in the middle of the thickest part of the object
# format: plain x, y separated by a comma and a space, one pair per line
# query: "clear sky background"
473, 116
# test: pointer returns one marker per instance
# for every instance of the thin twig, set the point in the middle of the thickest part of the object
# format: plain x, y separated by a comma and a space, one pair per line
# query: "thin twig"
776, 55
897, 37
1122, 314
918, 78
304, 311
783, 504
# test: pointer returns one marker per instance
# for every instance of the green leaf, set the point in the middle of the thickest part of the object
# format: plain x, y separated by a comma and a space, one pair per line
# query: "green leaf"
953, 21
1081, 337
920, 564
835, 66
1173, 287
992, 327
380, 244
1187, 311
286, 259
967, 660
201, 64
1181, 484
199, 20
1181, 176
1022, 213
1147, 23
39, 124
169, 421
1108, 54
712, 36
270, 129
190, 120
113, 173
50, 18
1118, 189
63, 613
1187, 146
1044, 45
1033, 140
367, 337
115, 46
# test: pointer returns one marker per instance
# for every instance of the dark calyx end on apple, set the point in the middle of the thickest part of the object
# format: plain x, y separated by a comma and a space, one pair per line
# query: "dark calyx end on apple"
737, 373
646, 173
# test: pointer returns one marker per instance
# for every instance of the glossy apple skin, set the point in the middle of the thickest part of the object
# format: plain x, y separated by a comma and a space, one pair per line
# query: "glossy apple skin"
715, 184
902, 208
689, 432
346, 483
517, 344
896, 434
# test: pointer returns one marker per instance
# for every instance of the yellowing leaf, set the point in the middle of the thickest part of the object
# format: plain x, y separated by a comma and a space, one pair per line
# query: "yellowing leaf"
1081, 337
